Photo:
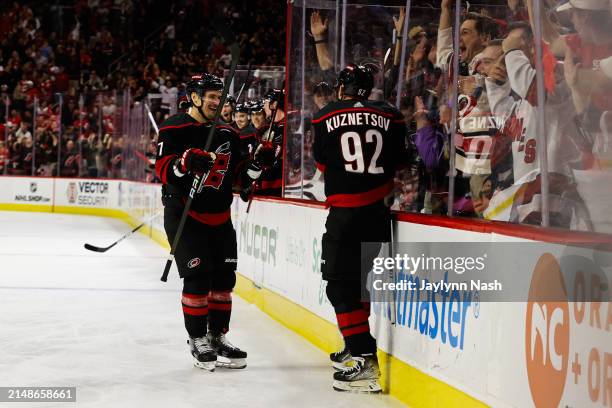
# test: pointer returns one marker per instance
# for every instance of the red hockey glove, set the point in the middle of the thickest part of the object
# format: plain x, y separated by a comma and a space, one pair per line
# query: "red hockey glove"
265, 154
195, 162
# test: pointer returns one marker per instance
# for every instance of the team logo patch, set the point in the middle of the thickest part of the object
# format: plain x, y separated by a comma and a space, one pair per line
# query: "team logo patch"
193, 263
71, 192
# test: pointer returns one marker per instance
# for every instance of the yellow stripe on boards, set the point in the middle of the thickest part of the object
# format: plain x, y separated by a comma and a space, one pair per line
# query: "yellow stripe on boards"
25, 207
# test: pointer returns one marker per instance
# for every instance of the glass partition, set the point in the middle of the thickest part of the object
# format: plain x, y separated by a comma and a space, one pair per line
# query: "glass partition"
514, 129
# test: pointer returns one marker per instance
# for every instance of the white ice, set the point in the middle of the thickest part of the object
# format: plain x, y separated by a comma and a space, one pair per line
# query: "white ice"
107, 325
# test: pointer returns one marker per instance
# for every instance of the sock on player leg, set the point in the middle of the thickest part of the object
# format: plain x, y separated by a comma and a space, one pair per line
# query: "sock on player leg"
195, 312
220, 311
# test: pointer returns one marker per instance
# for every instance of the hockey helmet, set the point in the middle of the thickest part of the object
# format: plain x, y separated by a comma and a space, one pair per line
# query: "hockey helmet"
276, 95
203, 82
242, 107
231, 100
256, 106
358, 81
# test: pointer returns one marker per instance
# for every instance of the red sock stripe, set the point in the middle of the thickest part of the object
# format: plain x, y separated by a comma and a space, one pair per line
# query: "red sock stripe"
362, 328
218, 296
225, 306
352, 318
195, 311
194, 300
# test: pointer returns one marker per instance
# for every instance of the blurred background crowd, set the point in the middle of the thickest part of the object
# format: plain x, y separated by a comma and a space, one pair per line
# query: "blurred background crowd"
65, 68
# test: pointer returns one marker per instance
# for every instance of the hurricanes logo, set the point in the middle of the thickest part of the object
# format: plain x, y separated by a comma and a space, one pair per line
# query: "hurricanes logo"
547, 333
193, 263
217, 172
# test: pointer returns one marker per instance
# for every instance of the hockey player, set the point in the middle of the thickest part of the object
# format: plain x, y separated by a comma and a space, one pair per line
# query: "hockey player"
271, 136
206, 254
258, 116
358, 144
228, 110
247, 132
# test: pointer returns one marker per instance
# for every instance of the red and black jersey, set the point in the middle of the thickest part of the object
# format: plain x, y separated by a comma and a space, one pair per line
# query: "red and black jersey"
248, 140
358, 144
181, 132
271, 182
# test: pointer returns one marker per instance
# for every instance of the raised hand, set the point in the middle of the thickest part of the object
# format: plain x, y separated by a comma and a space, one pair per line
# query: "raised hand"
318, 26
398, 22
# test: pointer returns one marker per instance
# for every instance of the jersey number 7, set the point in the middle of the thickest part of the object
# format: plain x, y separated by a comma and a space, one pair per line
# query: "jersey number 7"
352, 151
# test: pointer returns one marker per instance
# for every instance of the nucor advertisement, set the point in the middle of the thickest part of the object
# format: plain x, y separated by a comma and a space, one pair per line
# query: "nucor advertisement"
279, 248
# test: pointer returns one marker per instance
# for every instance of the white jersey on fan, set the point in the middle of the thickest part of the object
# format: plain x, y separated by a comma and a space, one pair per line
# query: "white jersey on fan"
516, 103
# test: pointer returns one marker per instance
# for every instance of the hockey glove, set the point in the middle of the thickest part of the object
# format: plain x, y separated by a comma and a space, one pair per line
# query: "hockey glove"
253, 170
266, 154
195, 161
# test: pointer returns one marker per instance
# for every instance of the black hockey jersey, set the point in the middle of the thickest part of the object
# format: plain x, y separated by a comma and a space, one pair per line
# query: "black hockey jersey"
248, 140
181, 132
358, 145
271, 182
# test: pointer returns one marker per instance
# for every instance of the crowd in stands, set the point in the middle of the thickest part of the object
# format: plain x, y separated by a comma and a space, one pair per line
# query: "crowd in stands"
488, 161
65, 68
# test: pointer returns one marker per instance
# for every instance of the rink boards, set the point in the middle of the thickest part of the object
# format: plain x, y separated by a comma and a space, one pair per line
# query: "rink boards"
516, 354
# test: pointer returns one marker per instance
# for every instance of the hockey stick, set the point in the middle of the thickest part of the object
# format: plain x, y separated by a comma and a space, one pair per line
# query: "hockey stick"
151, 118
197, 181
126, 235
246, 81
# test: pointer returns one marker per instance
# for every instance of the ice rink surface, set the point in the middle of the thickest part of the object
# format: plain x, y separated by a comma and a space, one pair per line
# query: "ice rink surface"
107, 325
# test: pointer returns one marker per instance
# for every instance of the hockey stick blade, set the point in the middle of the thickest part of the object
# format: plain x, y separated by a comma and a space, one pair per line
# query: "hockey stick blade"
98, 249
95, 248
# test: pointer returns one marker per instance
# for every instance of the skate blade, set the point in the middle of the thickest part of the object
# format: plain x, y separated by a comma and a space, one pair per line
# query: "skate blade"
205, 365
360, 387
233, 363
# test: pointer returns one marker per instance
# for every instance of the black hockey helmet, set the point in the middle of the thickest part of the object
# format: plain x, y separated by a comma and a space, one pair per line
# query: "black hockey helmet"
203, 82
256, 106
242, 107
276, 95
231, 100
358, 81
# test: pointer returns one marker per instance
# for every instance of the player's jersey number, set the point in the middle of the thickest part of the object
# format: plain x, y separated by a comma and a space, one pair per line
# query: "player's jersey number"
352, 151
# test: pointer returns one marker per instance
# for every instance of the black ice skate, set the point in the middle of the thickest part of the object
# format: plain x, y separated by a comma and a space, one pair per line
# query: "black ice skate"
204, 355
362, 377
341, 360
228, 355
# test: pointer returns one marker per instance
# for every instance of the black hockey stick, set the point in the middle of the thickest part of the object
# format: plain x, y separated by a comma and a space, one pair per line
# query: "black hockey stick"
244, 85
197, 181
104, 249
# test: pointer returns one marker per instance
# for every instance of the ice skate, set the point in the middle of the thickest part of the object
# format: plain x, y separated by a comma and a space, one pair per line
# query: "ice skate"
228, 355
341, 360
204, 355
362, 377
